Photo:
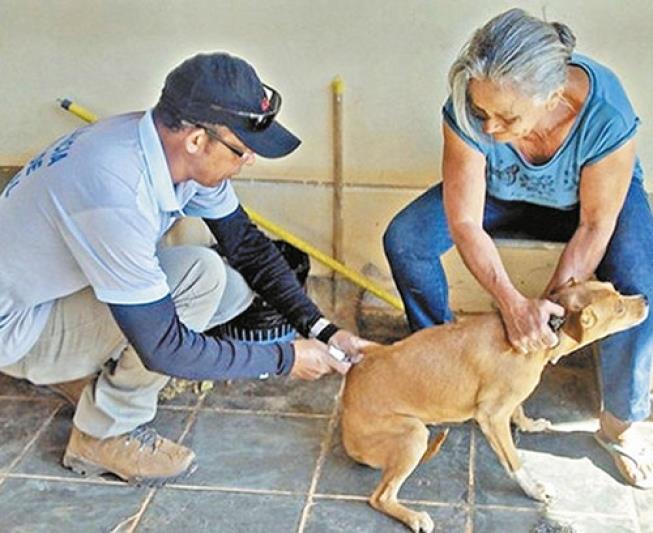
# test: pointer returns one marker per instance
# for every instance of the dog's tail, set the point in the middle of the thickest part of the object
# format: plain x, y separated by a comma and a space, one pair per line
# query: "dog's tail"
434, 446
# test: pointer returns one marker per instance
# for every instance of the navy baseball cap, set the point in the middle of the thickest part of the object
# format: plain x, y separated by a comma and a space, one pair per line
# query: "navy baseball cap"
222, 89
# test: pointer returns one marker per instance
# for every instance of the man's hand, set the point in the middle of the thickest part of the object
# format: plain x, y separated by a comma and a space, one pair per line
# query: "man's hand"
312, 361
350, 344
526, 321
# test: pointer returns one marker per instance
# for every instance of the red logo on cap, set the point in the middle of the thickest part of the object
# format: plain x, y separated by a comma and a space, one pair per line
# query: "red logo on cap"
265, 104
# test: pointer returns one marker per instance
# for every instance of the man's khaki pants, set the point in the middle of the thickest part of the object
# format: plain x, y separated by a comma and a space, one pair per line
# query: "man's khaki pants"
81, 338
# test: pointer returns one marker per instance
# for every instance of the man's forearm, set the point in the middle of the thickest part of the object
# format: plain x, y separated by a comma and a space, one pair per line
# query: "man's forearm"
167, 346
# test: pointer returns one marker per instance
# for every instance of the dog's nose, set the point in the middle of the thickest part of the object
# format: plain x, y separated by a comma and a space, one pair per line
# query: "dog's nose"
645, 298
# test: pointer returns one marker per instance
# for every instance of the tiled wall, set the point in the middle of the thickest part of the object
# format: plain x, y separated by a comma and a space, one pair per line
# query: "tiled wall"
305, 210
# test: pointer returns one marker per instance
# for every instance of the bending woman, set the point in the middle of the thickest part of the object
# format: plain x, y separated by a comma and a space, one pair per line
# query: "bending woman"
541, 139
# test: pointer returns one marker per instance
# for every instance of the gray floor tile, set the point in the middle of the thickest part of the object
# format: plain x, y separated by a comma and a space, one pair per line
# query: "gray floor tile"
495, 520
644, 506
170, 424
569, 461
31, 506
183, 510
643, 498
21, 387
336, 516
443, 479
580, 473
187, 398
44, 458
255, 451
19, 420
565, 394
278, 395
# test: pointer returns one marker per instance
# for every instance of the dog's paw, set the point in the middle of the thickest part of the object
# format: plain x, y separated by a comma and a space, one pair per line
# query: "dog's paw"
534, 489
534, 426
421, 523
543, 493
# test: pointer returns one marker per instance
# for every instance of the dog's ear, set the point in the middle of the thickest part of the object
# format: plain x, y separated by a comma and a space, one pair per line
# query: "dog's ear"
572, 326
567, 284
571, 298
578, 322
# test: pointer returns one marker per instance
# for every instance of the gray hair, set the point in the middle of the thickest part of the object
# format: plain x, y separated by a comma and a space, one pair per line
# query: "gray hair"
514, 49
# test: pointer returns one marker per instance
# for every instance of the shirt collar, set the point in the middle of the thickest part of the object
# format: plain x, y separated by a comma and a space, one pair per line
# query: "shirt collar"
157, 164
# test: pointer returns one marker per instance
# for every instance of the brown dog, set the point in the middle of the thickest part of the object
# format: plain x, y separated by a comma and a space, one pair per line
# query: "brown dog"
456, 372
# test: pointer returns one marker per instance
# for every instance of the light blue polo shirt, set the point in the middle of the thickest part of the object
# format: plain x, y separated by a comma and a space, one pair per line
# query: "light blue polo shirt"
90, 210
605, 122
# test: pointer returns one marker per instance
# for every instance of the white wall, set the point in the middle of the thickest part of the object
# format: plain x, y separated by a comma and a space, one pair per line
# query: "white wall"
112, 56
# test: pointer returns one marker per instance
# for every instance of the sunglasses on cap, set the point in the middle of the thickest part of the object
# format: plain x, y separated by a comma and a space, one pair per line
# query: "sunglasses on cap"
254, 121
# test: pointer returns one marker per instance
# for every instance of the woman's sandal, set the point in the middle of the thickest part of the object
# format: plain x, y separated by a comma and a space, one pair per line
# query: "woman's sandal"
622, 455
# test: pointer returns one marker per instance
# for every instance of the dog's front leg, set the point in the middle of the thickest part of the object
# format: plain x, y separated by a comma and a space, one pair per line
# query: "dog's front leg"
529, 425
497, 431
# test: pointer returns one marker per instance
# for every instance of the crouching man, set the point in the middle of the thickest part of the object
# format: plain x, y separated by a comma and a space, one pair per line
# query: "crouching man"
84, 288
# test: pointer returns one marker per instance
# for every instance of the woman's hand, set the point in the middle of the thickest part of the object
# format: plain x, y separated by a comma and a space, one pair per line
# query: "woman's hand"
526, 322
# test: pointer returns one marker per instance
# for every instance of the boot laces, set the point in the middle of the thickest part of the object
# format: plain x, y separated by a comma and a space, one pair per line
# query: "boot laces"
147, 436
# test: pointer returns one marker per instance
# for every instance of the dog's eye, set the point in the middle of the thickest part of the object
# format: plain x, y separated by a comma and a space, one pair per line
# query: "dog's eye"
620, 307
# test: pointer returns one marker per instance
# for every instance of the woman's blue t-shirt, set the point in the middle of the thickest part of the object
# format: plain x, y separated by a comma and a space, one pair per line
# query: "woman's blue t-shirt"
605, 122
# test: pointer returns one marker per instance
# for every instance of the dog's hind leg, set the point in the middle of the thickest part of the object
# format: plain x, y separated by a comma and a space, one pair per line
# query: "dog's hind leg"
434, 446
529, 425
402, 451
496, 429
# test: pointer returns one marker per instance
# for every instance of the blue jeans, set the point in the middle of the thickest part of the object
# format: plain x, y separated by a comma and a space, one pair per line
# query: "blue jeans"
418, 236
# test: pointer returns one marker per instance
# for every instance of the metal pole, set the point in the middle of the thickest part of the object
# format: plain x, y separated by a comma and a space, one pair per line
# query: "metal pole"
337, 88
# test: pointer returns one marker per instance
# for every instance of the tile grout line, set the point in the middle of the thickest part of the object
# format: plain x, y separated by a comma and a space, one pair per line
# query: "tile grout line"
560, 512
288, 414
324, 448
31, 442
317, 495
74, 480
471, 487
22, 398
187, 408
358, 498
131, 524
235, 490
254, 412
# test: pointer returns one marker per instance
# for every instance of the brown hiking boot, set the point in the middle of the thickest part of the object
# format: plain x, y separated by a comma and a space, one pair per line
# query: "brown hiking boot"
140, 457
71, 391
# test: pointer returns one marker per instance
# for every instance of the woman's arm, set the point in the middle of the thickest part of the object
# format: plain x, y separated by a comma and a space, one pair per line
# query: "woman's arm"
463, 171
603, 189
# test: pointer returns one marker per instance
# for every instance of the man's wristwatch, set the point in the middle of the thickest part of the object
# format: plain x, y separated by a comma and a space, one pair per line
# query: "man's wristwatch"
323, 330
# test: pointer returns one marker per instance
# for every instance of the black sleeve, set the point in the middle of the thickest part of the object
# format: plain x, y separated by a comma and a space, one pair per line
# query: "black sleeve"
167, 346
264, 268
